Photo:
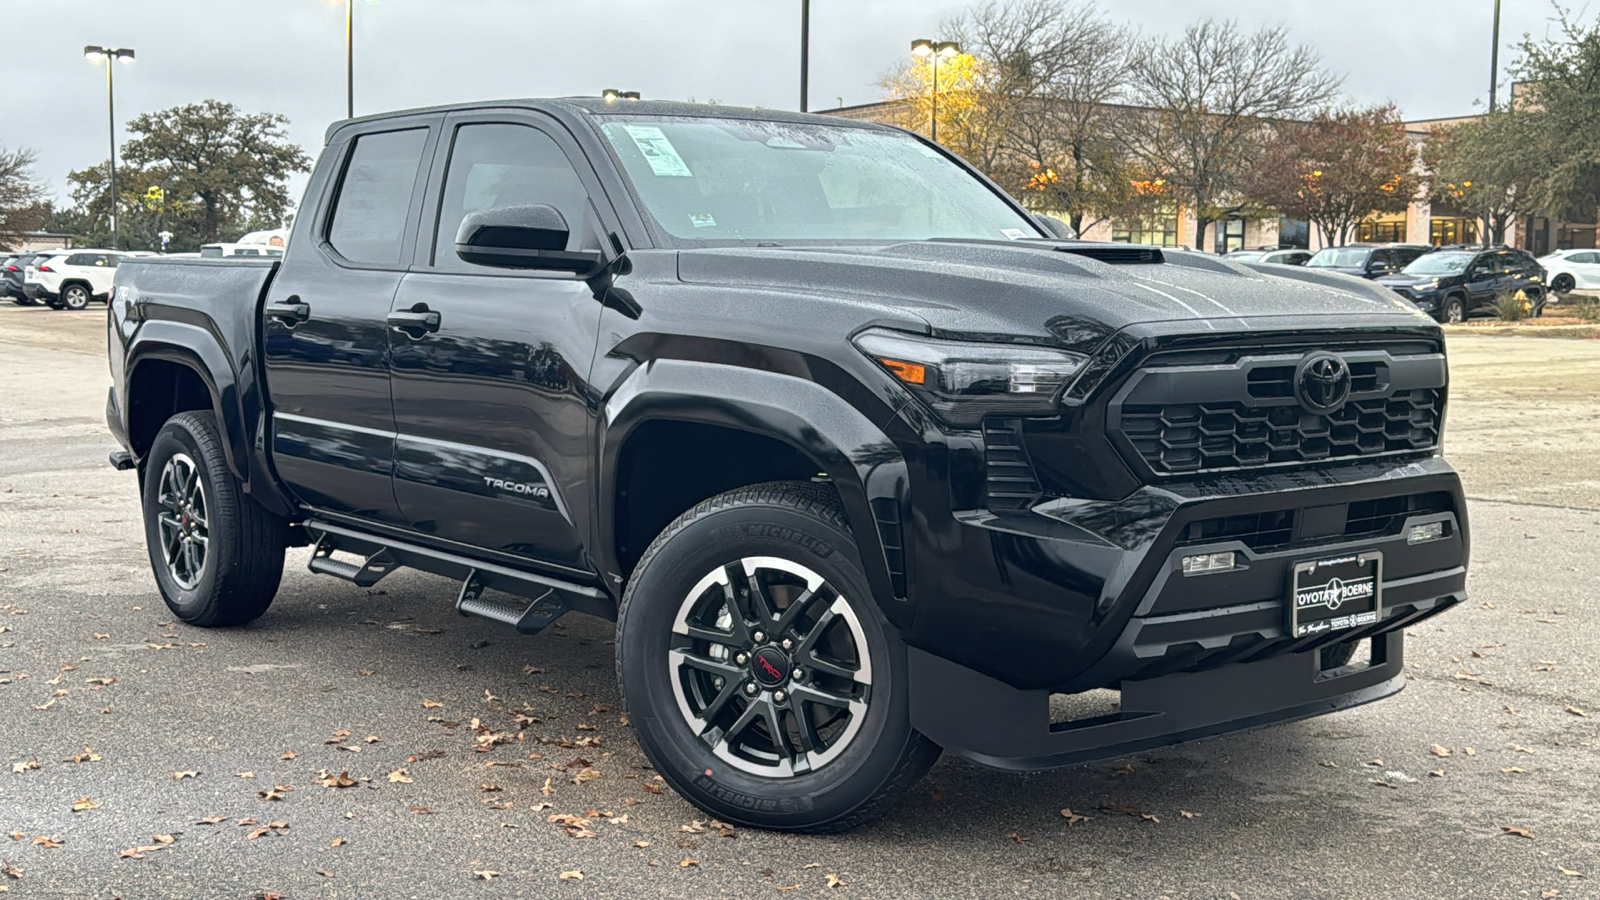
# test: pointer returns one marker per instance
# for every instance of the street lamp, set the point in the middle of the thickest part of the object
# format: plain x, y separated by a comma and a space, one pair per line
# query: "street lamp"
110, 55
923, 48
350, 58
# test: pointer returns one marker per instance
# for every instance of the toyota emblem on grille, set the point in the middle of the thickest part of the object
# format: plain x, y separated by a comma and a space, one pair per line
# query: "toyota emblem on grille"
1322, 382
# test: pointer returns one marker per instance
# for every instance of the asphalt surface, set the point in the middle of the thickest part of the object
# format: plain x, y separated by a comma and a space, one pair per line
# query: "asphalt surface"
162, 726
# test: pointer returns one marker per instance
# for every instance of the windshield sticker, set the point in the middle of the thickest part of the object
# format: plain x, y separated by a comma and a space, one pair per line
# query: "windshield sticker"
1013, 234
702, 220
658, 151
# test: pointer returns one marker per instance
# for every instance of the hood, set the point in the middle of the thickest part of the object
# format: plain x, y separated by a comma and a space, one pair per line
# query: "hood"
1358, 271
1047, 291
1407, 280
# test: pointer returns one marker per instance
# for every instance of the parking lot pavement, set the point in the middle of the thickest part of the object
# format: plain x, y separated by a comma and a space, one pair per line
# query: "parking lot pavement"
1479, 780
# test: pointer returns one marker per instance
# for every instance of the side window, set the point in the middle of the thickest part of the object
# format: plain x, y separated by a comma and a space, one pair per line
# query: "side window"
78, 259
111, 260
369, 215
1379, 259
495, 165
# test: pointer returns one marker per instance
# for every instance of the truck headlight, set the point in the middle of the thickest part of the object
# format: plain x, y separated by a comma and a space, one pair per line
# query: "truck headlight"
962, 382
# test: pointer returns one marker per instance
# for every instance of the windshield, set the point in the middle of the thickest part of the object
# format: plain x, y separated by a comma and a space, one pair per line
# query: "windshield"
705, 179
1340, 257
1440, 264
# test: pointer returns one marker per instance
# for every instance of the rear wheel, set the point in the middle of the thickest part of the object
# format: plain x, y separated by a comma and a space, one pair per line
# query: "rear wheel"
764, 683
216, 553
1562, 283
75, 297
1455, 309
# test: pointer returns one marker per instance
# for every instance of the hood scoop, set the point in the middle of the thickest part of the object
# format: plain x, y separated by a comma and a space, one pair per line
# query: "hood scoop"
1118, 255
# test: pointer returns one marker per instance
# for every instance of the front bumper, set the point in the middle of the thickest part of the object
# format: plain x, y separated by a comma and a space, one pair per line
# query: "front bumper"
996, 725
1071, 596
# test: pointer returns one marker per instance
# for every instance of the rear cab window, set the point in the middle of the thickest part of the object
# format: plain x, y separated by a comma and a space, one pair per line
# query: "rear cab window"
368, 222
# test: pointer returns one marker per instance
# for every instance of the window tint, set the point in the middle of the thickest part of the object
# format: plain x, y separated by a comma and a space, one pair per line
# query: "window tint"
496, 165
79, 259
369, 217
1584, 258
1378, 258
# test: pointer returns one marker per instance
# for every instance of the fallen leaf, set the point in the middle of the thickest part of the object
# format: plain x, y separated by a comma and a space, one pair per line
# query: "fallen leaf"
1329, 763
1018, 838
1577, 712
688, 862
288, 754
641, 844
179, 776
695, 827
88, 755
1072, 817
19, 768
248, 821
547, 790
574, 875
337, 842
1188, 815
164, 839
399, 776
244, 774
83, 803
48, 843
1519, 832
371, 739
1569, 872
1517, 748
258, 833
277, 792
102, 680
485, 874
341, 780
1437, 750
1437, 773
16, 835
10, 871
131, 853
834, 881
211, 820
422, 810
324, 873
1514, 770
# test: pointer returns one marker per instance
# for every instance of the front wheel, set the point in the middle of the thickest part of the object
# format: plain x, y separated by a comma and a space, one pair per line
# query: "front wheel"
1455, 310
765, 685
216, 553
75, 297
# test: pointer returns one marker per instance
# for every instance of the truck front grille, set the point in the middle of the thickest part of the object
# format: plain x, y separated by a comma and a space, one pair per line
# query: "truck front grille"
1198, 415
1213, 437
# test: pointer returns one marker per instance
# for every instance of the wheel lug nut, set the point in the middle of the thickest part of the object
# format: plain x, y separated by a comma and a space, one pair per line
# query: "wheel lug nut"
761, 637
750, 688
799, 675
780, 696
742, 658
788, 644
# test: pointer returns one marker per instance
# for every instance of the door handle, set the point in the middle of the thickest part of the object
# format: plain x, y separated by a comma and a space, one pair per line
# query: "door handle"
292, 312
415, 322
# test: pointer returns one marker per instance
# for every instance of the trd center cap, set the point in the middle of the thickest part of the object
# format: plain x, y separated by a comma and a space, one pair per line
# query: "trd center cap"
770, 666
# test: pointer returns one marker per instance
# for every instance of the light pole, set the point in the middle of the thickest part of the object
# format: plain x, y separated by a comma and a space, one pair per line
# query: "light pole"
923, 48
350, 59
1494, 85
110, 55
805, 52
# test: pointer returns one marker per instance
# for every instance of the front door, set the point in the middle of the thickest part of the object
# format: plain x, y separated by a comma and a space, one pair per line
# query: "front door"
491, 398
325, 335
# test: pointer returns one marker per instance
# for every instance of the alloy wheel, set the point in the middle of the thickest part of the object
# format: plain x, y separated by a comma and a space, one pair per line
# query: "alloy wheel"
182, 521
770, 667
76, 298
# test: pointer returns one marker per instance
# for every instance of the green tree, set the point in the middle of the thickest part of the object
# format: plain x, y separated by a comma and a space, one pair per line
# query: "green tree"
1555, 123
1212, 94
20, 196
1337, 169
223, 172
1495, 166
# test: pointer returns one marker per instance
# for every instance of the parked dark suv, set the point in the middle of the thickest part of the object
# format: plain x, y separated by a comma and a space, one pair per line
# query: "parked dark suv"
1367, 260
11, 273
1451, 284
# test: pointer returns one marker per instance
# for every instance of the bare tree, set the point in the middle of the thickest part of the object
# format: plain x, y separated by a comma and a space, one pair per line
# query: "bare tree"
1212, 94
19, 196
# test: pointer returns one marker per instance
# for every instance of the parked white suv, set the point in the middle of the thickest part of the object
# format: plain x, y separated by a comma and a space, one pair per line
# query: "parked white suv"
69, 279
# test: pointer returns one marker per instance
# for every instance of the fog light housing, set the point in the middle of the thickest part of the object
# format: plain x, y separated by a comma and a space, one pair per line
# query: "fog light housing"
1422, 534
1209, 562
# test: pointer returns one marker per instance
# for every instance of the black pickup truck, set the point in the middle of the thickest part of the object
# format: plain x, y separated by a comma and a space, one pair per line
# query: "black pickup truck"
863, 461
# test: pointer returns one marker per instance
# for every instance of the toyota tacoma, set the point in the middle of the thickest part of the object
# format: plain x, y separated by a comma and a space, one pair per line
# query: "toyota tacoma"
864, 461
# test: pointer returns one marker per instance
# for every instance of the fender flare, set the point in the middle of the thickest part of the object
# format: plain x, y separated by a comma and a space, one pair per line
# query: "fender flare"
197, 349
865, 466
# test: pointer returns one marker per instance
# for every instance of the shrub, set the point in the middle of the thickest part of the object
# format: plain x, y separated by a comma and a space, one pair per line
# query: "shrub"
1587, 310
1512, 307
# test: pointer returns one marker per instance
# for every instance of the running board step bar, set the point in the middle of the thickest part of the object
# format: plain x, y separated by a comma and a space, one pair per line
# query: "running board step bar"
541, 599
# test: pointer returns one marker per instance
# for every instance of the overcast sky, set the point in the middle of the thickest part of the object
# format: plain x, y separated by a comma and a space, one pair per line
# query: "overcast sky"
1431, 57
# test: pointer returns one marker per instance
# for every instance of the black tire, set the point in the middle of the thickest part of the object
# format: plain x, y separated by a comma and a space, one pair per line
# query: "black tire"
235, 574
798, 524
1454, 309
53, 304
1562, 283
76, 297
22, 301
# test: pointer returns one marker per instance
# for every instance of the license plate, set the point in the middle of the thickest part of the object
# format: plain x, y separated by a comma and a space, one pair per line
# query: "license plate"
1336, 594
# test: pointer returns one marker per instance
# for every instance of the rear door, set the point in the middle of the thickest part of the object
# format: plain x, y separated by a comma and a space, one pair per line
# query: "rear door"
491, 401
1482, 281
1585, 267
326, 340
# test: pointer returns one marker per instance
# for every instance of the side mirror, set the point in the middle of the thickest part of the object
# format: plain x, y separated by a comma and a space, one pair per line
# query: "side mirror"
531, 236
1055, 227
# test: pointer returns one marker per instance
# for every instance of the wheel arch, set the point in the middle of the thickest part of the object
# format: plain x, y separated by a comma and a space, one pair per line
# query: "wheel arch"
776, 427
174, 367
